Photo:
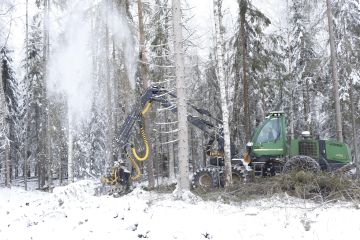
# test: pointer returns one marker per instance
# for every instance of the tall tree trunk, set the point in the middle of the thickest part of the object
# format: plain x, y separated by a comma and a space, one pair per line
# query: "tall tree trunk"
48, 115
339, 132
183, 153
170, 145
61, 169
44, 108
110, 128
236, 105
171, 161
193, 150
25, 148
289, 70
353, 126
349, 50
70, 146
204, 156
243, 9
7, 163
49, 150
224, 106
306, 100
146, 84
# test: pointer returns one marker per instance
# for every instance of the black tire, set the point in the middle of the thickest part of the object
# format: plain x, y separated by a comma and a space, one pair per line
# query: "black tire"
301, 162
237, 174
206, 178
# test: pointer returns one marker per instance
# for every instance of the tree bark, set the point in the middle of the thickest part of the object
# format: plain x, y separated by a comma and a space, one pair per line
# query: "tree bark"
109, 95
236, 136
353, 126
70, 147
183, 153
25, 149
224, 106
339, 132
243, 8
352, 107
48, 115
44, 112
193, 150
146, 84
289, 70
7, 162
170, 149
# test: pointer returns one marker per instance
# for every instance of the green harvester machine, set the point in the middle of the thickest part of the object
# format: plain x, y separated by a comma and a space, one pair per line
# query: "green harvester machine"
271, 151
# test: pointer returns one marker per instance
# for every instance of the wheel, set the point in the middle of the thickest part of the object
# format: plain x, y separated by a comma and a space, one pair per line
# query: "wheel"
301, 162
237, 174
206, 178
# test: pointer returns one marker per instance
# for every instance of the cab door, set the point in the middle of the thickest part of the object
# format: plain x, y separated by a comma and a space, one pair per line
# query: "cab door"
269, 140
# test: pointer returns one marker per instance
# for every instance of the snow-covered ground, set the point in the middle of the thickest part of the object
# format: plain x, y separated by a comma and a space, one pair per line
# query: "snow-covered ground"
72, 212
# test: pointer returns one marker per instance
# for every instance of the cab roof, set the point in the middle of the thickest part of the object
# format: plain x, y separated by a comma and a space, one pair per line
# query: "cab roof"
276, 114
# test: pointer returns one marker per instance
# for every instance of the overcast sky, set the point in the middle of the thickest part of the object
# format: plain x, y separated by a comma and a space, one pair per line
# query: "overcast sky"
202, 22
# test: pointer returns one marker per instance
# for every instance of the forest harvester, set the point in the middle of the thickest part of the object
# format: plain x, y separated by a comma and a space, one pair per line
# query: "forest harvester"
268, 153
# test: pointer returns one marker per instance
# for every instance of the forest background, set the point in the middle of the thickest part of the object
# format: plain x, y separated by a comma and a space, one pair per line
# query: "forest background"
71, 70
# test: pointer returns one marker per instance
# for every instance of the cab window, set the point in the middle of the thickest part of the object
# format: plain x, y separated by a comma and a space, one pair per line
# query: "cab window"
270, 131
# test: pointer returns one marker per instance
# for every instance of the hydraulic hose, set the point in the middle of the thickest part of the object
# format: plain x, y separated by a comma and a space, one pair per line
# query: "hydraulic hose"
146, 108
136, 166
143, 135
147, 148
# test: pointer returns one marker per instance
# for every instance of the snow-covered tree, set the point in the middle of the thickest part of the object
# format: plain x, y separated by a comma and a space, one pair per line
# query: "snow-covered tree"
10, 89
183, 152
338, 115
223, 91
346, 30
33, 90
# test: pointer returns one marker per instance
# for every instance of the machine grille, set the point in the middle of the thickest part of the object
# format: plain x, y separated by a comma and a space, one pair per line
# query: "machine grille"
308, 149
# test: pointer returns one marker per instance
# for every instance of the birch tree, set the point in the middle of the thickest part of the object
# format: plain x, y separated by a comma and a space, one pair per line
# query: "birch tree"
183, 146
222, 85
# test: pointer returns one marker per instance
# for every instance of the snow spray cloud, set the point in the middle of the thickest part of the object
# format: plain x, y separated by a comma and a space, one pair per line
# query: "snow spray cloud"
119, 28
71, 66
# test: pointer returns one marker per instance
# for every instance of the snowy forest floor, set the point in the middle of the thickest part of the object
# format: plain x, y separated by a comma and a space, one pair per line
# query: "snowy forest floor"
73, 212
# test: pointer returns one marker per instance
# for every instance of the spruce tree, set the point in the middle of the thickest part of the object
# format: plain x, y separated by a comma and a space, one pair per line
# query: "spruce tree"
11, 91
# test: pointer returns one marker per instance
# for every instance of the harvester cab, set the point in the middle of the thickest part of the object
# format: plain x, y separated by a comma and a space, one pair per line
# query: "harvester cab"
270, 152
269, 139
